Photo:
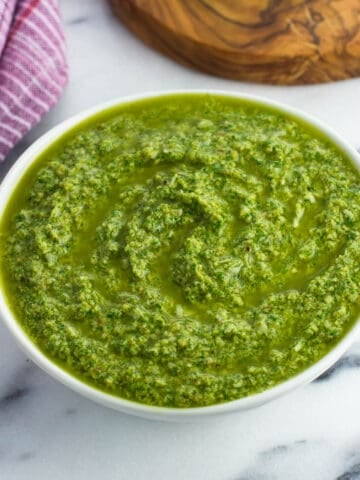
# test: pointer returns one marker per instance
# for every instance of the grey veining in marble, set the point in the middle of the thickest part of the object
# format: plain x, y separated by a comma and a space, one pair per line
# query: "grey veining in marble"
347, 361
48, 432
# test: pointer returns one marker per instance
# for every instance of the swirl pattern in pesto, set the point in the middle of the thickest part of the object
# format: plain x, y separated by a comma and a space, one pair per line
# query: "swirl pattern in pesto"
185, 251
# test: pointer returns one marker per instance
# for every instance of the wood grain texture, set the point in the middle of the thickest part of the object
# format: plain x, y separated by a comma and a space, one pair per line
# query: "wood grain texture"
270, 41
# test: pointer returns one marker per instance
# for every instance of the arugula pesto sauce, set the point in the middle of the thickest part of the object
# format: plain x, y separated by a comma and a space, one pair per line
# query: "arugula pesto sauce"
186, 250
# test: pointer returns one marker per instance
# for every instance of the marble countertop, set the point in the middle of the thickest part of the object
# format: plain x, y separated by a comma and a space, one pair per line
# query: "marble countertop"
49, 432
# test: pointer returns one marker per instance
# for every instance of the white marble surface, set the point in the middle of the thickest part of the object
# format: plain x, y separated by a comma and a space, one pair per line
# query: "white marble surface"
48, 432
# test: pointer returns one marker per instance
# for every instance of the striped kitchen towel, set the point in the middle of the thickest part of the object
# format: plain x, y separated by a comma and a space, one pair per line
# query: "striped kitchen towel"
33, 68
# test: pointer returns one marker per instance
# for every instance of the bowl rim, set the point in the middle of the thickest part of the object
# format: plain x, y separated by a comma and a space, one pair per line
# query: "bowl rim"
19, 169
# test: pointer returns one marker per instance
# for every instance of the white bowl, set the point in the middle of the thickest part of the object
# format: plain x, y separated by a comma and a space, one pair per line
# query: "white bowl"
161, 413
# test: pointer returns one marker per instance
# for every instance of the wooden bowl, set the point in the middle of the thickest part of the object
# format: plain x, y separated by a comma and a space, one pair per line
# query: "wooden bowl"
278, 42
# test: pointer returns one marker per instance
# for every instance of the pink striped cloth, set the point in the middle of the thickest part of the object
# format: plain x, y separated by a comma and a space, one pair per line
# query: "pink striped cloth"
33, 68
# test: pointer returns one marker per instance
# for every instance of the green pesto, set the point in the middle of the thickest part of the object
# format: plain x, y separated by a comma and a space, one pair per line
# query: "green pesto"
185, 251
